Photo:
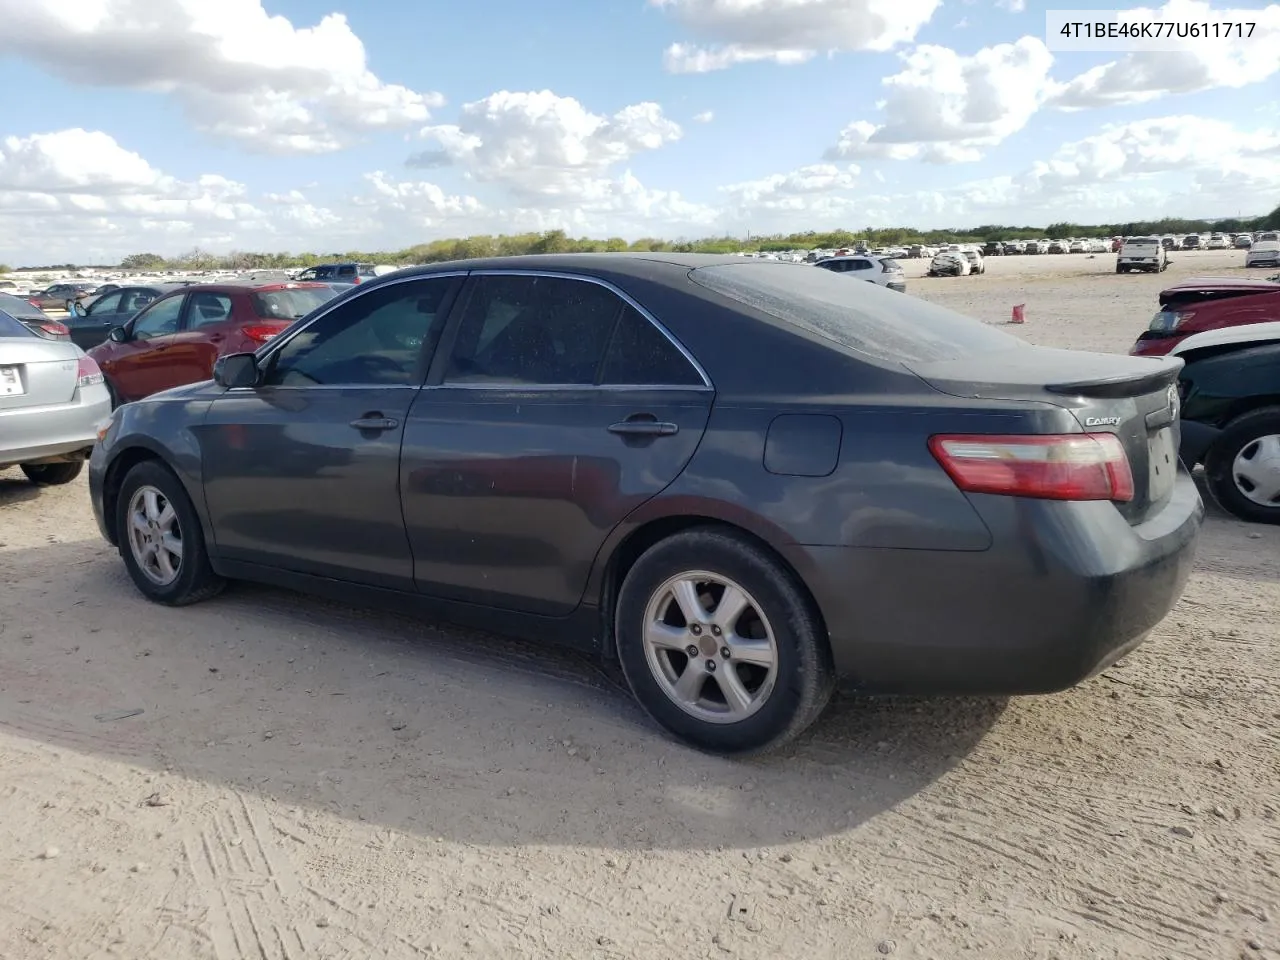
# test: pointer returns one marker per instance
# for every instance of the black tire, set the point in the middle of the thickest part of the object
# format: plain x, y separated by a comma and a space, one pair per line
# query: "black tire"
805, 676
53, 474
195, 580
1121, 270
1219, 464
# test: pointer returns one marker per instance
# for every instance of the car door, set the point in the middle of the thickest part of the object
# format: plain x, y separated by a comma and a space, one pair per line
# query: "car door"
100, 316
554, 410
138, 367
302, 471
206, 324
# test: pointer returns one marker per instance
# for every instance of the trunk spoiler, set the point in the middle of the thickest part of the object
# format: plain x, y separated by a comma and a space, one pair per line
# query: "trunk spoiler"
1115, 388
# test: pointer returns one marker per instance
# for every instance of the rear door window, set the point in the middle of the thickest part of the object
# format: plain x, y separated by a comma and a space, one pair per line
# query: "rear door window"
208, 308
548, 331
889, 328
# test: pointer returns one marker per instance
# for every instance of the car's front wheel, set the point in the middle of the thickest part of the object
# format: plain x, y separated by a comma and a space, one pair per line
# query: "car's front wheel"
1243, 466
160, 538
720, 644
53, 474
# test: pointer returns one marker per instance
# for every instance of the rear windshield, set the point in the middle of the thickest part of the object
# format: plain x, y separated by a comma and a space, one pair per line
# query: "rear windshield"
17, 307
873, 321
10, 327
290, 304
1142, 242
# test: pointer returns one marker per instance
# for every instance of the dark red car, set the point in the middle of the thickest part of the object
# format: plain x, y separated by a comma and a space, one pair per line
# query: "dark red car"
1207, 303
177, 338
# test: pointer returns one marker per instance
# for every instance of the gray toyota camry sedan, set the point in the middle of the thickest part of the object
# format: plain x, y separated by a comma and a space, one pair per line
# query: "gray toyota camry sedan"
746, 481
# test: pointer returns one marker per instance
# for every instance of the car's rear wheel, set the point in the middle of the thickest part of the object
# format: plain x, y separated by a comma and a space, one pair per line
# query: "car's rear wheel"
53, 474
1243, 466
160, 538
720, 644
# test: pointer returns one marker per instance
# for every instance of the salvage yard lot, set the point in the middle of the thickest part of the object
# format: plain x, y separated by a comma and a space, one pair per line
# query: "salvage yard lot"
308, 779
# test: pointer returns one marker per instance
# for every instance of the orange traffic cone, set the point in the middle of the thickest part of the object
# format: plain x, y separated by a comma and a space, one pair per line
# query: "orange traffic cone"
1019, 314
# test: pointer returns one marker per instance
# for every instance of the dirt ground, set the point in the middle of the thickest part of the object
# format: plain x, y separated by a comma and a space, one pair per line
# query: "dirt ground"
310, 780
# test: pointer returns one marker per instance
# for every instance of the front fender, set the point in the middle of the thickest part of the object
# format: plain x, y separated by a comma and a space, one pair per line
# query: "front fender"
165, 431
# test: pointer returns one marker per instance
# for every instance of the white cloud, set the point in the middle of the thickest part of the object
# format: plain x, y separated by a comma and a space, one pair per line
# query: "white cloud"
788, 31
239, 73
706, 116
947, 108
1169, 166
1013, 6
543, 147
1124, 152
1204, 64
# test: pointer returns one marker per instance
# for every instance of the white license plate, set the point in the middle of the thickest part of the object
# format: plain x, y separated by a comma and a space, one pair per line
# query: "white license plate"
1162, 461
10, 382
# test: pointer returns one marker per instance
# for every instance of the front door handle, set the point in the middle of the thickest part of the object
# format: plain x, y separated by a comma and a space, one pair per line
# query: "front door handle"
644, 428
375, 422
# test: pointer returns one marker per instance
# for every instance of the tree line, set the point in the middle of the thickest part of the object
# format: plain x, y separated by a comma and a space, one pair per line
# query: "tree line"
557, 241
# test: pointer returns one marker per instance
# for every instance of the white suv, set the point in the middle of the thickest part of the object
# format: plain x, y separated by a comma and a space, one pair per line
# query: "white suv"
882, 271
1142, 253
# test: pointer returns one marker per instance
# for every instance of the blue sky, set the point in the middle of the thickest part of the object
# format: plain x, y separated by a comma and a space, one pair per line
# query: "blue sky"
210, 125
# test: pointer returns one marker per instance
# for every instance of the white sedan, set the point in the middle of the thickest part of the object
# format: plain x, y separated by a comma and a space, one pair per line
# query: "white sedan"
52, 402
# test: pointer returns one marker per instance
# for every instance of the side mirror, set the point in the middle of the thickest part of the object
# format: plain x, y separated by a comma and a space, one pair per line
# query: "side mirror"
79, 310
236, 370
118, 335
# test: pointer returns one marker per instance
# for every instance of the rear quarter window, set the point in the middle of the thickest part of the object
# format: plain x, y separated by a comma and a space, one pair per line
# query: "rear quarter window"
861, 317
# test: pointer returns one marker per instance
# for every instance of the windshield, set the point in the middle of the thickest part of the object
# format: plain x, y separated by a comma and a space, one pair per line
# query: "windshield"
290, 304
859, 316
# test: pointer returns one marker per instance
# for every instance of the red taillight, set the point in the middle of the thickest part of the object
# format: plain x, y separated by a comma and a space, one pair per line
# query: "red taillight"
89, 372
1073, 466
261, 333
54, 329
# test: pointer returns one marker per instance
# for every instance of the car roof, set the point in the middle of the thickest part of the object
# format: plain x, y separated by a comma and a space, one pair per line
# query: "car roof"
1244, 333
246, 286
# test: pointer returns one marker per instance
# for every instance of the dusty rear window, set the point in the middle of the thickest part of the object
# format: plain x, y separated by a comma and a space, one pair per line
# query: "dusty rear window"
864, 317
290, 304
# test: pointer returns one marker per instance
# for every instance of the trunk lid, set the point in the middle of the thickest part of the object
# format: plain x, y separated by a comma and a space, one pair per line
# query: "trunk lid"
1134, 398
37, 373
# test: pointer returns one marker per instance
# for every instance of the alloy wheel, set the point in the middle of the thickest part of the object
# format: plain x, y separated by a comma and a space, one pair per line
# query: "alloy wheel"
155, 535
710, 647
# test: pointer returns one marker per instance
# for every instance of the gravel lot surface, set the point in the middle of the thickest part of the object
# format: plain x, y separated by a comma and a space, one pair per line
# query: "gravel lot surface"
311, 780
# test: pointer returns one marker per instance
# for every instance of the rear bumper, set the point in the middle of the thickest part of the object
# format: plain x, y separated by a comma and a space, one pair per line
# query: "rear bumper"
901, 287
29, 434
1065, 591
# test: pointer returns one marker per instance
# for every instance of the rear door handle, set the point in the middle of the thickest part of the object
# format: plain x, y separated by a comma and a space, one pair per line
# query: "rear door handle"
375, 423
644, 428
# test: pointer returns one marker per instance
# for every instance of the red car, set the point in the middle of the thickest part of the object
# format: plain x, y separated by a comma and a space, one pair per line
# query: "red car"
176, 339
1207, 303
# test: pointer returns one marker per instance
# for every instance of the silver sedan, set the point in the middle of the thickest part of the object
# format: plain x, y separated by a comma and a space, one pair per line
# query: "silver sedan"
52, 402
